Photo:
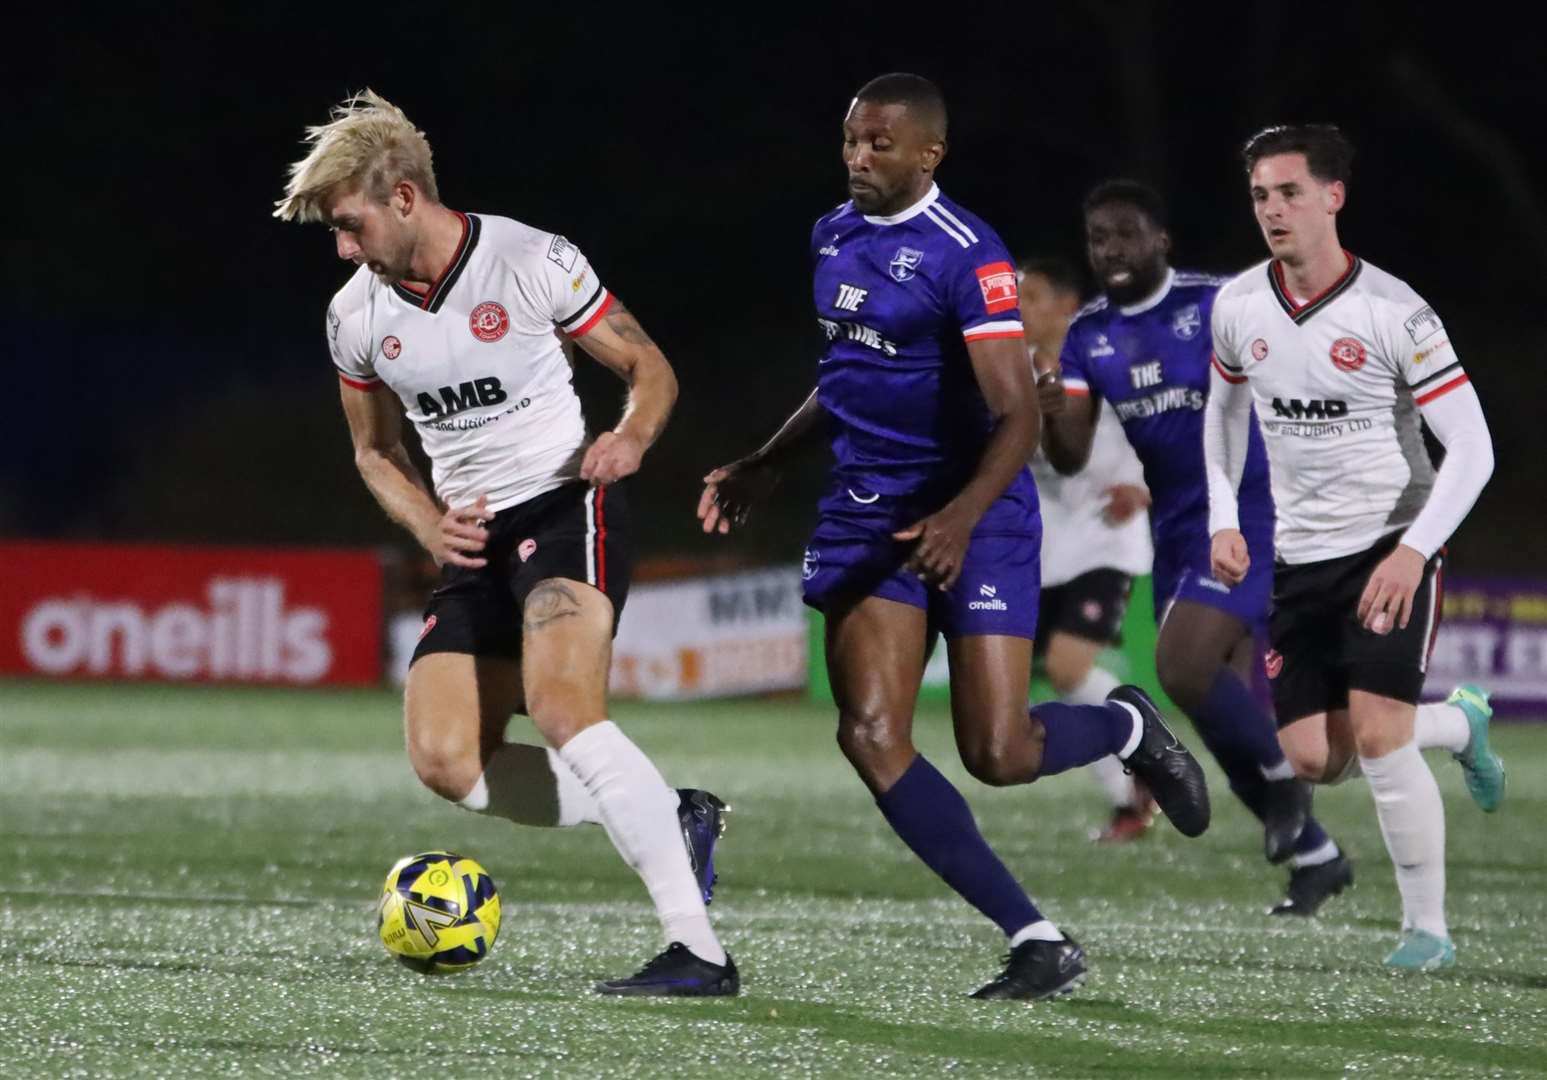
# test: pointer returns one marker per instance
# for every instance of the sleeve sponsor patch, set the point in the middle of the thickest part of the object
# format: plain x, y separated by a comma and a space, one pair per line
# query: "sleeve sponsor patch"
997, 280
1422, 324
564, 253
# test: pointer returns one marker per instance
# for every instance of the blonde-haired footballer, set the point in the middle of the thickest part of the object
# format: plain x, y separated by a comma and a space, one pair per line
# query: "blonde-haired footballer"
1341, 360
458, 321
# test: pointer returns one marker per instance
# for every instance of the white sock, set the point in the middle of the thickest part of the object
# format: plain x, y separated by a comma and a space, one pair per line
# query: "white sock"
1041, 930
1116, 784
1315, 857
639, 813
531, 785
1282, 771
1138, 729
1438, 726
1094, 688
1412, 820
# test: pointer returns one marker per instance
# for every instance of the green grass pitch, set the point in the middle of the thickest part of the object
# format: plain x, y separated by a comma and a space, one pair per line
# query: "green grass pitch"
187, 886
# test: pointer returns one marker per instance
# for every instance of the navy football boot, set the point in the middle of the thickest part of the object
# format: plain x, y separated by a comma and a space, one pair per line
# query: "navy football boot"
703, 822
677, 972
1172, 774
1034, 970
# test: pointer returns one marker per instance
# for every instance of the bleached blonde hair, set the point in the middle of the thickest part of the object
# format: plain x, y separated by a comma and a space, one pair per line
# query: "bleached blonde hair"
367, 145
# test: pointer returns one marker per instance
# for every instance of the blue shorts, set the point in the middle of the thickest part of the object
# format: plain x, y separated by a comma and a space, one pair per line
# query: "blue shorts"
1182, 572
852, 556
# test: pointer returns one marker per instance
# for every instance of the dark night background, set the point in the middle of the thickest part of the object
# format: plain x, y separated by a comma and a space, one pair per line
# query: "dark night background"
163, 334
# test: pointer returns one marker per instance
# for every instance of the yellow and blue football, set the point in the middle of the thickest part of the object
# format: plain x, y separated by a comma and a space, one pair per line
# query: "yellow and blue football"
439, 912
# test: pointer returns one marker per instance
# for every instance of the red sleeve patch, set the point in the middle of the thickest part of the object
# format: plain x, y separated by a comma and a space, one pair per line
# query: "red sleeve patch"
997, 280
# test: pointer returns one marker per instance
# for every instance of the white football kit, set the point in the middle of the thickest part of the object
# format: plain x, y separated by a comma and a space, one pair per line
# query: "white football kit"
476, 358
1339, 383
1076, 537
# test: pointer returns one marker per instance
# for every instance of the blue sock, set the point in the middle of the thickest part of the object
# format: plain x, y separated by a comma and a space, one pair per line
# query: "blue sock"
1231, 716
1079, 734
1241, 758
1312, 838
935, 821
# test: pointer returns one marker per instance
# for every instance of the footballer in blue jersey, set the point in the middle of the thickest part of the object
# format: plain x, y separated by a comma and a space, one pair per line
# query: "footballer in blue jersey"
929, 523
1145, 347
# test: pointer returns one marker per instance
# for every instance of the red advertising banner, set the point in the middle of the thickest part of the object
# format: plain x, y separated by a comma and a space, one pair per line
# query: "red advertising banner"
190, 614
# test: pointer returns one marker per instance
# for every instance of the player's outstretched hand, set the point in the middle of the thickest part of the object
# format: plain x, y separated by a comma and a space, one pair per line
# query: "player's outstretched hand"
1124, 501
1387, 601
460, 535
611, 457
1228, 557
1050, 392
730, 492
941, 546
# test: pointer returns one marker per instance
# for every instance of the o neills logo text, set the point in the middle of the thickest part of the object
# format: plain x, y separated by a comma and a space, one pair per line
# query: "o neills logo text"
244, 631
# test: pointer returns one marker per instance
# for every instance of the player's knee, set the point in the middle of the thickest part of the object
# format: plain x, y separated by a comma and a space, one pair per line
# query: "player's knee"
868, 739
560, 709
990, 763
447, 767
1309, 763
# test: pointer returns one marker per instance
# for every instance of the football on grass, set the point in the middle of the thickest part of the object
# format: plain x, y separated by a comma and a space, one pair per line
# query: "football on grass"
439, 912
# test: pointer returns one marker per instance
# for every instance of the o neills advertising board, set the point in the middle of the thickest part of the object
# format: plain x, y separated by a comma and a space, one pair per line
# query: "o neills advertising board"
739, 633
190, 614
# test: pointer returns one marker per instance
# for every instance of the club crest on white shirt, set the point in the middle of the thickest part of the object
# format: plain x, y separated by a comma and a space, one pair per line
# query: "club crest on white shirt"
489, 321
1348, 354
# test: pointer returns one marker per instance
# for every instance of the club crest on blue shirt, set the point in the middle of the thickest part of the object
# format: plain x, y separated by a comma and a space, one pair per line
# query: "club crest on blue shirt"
1187, 322
905, 262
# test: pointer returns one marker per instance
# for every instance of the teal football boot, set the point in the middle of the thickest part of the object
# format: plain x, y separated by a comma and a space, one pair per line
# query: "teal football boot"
1484, 770
1420, 950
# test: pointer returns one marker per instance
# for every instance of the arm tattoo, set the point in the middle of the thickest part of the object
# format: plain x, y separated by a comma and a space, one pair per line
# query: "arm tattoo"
623, 323
548, 603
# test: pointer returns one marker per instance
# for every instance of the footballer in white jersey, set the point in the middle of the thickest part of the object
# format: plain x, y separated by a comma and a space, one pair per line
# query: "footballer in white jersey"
1095, 540
476, 358
456, 321
1337, 379
1341, 360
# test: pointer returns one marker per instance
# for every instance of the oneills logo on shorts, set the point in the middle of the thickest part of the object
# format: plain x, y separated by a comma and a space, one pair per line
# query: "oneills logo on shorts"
526, 549
992, 603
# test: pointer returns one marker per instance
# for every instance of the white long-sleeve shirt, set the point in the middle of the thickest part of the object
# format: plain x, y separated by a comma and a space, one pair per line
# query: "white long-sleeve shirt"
1339, 382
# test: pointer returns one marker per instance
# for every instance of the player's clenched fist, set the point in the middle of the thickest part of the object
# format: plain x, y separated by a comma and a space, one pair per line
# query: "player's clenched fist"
1228, 556
941, 546
460, 535
1387, 601
1050, 392
611, 457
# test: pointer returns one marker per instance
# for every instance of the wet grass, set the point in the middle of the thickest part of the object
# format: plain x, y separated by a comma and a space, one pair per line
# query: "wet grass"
187, 877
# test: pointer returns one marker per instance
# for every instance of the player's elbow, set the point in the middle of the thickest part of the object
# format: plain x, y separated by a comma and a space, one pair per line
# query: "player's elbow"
368, 458
1485, 459
668, 378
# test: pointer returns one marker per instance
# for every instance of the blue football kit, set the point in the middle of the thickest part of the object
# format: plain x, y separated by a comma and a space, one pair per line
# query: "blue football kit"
1151, 361
898, 298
